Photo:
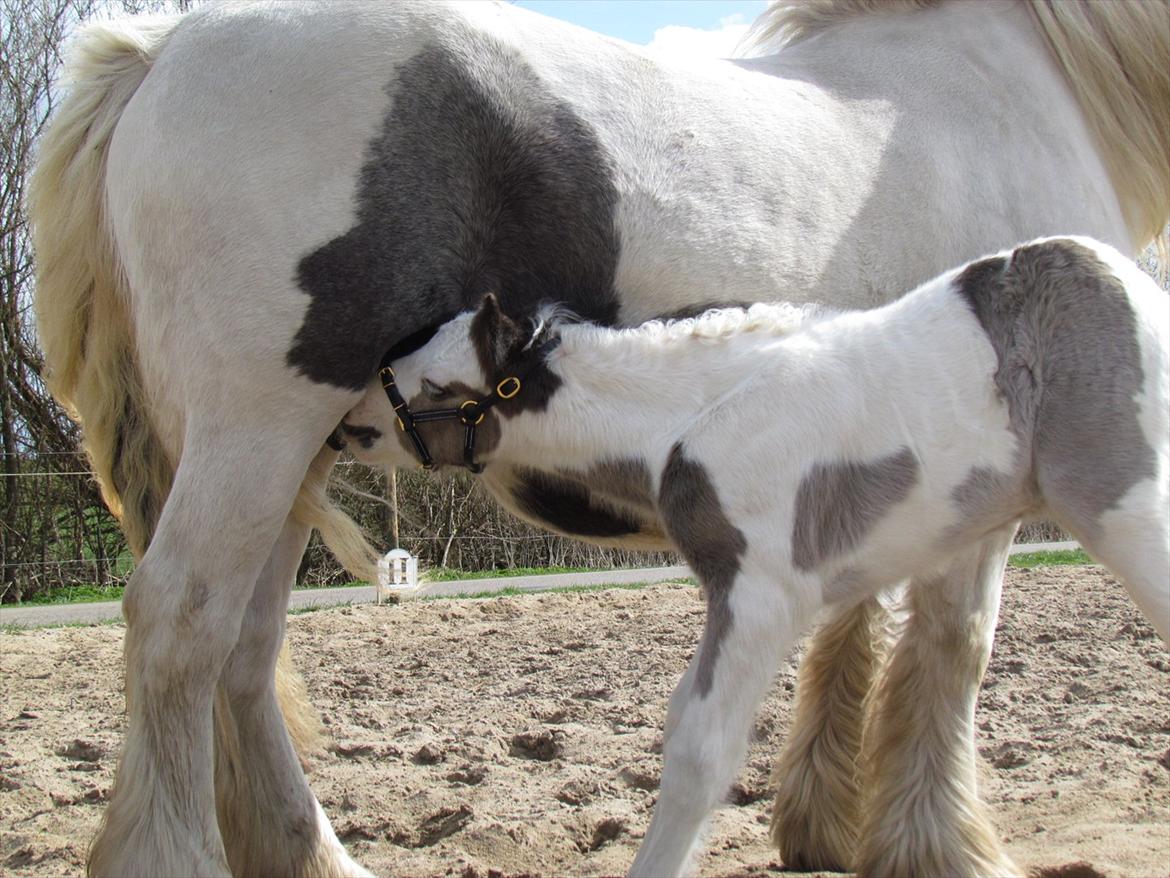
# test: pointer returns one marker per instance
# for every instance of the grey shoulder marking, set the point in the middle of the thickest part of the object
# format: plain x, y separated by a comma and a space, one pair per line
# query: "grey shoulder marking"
712, 545
1069, 368
480, 180
838, 503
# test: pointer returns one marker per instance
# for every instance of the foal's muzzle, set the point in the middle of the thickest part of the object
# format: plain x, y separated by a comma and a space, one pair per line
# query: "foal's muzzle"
469, 413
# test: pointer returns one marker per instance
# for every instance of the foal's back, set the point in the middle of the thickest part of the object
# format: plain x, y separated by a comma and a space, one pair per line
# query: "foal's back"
1028, 383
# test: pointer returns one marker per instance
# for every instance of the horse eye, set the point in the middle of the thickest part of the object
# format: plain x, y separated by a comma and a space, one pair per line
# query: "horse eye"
433, 391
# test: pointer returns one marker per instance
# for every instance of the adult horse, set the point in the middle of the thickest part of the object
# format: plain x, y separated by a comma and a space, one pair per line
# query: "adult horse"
237, 213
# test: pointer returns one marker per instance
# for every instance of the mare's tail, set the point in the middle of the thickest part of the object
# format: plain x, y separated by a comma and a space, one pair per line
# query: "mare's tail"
83, 321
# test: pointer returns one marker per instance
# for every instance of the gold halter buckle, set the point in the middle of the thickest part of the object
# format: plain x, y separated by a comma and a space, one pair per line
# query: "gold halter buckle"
514, 387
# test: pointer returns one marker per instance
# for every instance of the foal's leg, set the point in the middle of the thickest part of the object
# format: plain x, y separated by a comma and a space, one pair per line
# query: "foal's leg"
922, 815
818, 792
711, 712
1132, 539
270, 820
184, 607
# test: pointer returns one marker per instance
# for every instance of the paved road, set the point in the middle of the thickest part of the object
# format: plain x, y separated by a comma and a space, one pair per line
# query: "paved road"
64, 614
59, 614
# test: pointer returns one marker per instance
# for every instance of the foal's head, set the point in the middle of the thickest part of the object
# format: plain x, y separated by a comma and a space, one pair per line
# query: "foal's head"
484, 359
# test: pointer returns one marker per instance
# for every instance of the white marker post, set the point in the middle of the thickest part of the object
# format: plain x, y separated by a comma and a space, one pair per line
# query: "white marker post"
397, 573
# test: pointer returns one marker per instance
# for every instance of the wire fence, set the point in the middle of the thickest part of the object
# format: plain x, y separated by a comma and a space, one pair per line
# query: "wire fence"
56, 532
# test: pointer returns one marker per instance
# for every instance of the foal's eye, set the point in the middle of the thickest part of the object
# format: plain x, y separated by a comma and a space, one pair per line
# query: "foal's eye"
434, 391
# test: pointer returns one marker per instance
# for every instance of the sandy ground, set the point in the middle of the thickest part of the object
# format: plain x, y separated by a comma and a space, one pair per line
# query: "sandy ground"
519, 736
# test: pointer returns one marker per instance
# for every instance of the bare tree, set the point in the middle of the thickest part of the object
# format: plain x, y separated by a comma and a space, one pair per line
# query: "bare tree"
41, 508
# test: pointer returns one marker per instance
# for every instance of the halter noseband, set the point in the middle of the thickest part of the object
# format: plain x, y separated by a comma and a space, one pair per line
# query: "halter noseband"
470, 412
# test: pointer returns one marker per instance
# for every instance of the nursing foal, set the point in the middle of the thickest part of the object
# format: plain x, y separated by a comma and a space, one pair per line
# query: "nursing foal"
801, 459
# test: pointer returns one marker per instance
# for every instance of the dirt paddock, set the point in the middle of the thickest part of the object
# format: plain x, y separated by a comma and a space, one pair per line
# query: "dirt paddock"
520, 736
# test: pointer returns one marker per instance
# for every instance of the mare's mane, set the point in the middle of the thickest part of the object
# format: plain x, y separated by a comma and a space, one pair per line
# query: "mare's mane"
789, 21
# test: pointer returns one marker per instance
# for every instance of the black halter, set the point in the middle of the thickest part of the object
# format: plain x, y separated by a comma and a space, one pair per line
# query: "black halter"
470, 413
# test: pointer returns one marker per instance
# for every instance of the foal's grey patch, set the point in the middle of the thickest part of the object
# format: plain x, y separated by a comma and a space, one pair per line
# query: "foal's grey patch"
1069, 370
988, 499
712, 545
567, 506
838, 503
481, 180
626, 480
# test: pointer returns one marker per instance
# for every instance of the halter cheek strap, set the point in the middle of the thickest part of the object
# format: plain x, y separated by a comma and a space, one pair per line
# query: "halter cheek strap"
470, 413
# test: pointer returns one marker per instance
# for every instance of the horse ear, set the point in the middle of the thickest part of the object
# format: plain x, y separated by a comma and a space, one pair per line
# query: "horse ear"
494, 334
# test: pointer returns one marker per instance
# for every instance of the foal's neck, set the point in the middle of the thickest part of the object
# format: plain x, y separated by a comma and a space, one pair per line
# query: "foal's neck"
634, 392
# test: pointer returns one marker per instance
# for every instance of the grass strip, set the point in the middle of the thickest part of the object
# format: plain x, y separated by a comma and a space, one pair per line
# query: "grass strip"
1061, 558
87, 594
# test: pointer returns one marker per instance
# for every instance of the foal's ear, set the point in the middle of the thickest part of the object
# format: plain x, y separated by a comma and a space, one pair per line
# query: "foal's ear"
494, 334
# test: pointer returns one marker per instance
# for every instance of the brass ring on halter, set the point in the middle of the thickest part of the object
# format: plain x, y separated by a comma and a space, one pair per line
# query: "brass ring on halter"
502, 394
478, 420
401, 426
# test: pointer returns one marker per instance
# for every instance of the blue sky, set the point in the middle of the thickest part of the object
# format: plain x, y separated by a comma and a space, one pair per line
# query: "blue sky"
682, 24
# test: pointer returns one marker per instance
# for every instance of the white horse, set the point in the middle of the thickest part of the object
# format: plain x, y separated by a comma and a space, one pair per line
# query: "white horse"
238, 213
800, 461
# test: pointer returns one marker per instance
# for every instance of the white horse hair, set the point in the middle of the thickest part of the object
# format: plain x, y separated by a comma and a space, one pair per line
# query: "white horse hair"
238, 212
802, 460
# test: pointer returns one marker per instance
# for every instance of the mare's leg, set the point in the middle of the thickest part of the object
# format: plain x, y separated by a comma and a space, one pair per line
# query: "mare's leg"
922, 815
711, 711
818, 791
271, 822
184, 608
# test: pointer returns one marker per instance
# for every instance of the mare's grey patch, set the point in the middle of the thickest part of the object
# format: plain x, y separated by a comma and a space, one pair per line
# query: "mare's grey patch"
566, 505
700, 308
838, 503
1069, 370
712, 545
480, 180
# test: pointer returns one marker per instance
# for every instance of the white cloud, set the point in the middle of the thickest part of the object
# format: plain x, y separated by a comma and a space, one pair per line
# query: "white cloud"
693, 42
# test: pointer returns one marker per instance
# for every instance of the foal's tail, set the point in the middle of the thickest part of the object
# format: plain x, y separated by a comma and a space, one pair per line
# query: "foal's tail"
83, 321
